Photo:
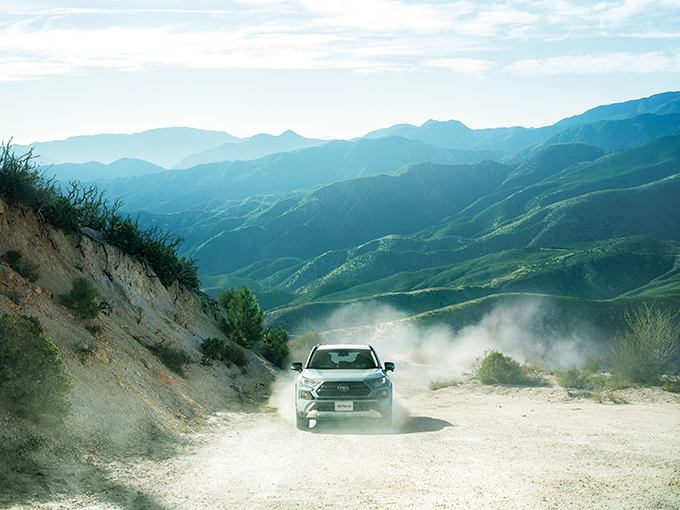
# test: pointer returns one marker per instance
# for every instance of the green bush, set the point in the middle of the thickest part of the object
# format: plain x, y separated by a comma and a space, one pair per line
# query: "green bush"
173, 358
156, 248
650, 347
587, 377
236, 355
82, 299
573, 378
213, 350
217, 349
496, 368
274, 347
20, 180
671, 385
15, 259
34, 383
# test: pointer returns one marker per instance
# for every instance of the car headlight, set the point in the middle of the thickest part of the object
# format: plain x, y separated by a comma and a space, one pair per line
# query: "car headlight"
308, 382
378, 382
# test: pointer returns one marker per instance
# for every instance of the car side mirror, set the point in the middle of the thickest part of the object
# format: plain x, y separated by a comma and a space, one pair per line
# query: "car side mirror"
296, 366
389, 366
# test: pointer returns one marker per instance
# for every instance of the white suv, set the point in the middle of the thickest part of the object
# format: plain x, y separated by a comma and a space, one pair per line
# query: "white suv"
343, 381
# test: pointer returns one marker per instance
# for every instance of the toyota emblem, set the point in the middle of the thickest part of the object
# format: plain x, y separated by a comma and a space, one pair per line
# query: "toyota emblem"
343, 387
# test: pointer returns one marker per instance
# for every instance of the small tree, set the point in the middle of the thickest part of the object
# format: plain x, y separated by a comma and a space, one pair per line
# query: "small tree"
275, 346
34, 383
649, 349
244, 318
82, 298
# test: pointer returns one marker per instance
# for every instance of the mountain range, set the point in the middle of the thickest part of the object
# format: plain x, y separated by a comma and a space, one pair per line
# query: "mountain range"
434, 220
255, 147
163, 147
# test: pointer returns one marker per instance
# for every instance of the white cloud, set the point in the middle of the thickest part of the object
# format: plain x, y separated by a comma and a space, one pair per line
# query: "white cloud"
604, 63
467, 66
471, 38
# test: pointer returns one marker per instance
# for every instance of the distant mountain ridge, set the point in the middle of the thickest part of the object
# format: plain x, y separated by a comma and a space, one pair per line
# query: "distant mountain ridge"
610, 135
255, 147
178, 190
163, 147
93, 170
455, 135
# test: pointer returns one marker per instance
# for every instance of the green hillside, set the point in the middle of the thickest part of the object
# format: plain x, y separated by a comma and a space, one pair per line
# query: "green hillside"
596, 236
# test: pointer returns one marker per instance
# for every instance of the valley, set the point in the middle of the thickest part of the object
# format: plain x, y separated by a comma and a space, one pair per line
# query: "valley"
585, 209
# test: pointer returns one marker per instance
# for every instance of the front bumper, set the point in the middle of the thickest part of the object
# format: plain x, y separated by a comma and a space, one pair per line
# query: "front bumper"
322, 415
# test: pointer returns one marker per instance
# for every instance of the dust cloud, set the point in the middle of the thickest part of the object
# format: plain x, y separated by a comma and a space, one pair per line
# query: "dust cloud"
526, 331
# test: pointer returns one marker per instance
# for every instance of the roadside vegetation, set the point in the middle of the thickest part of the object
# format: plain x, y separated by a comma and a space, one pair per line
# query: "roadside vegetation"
15, 259
497, 368
82, 298
439, 384
34, 383
646, 353
173, 358
79, 208
243, 324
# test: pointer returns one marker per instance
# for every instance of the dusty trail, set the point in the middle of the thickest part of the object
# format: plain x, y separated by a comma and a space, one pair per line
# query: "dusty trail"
469, 446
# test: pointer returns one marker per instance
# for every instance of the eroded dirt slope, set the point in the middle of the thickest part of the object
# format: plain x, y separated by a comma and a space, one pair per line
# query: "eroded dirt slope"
126, 403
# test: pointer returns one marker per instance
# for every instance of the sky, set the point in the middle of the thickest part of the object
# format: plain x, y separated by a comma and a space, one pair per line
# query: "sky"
323, 68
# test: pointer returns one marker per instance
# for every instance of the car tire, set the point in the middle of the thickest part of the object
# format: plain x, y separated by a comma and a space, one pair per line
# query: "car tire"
301, 423
386, 421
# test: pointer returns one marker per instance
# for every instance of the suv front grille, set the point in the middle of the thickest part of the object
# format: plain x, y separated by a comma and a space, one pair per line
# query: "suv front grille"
343, 389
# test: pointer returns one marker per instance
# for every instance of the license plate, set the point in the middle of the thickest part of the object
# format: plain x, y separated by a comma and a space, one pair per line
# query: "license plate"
344, 406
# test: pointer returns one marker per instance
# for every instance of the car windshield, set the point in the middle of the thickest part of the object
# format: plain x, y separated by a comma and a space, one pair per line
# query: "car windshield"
343, 359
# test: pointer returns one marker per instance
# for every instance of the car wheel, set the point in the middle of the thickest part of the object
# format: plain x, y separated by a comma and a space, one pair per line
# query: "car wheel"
301, 423
386, 421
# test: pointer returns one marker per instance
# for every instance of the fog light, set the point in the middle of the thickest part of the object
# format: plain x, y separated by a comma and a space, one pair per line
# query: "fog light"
306, 395
382, 393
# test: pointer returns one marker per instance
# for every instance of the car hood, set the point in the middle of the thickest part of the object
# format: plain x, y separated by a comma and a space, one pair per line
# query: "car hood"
343, 375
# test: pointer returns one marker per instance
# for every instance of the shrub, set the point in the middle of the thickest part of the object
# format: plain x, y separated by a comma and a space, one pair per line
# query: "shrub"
34, 383
275, 346
439, 384
20, 180
671, 385
586, 378
649, 349
496, 368
573, 378
213, 349
82, 298
94, 329
217, 349
15, 259
173, 358
236, 355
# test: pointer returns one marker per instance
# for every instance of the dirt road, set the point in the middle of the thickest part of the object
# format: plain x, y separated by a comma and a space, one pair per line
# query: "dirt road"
469, 446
